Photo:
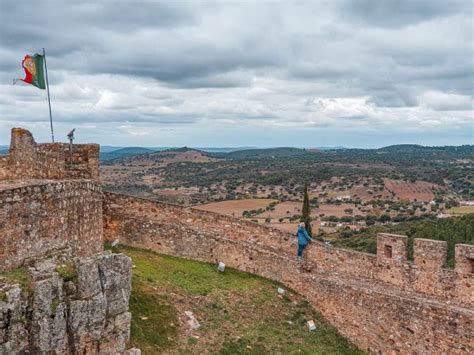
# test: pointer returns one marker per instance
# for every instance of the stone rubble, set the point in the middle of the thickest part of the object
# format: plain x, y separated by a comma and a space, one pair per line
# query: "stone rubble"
192, 321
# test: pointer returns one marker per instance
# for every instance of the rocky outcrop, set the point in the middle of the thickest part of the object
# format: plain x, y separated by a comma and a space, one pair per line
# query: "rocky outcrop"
64, 306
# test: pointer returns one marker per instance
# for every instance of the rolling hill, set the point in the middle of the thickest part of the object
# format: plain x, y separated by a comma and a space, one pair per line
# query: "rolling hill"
124, 152
270, 153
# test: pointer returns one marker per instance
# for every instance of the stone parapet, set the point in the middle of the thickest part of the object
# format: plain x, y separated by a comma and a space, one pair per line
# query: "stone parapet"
28, 160
383, 303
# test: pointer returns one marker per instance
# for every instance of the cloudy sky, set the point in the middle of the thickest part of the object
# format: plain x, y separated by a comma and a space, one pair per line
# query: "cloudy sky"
362, 73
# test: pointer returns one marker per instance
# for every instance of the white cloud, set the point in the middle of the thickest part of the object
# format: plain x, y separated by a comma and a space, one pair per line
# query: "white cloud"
442, 101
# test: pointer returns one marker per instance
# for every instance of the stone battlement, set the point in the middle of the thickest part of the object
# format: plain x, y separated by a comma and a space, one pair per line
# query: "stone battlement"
383, 302
427, 274
28, 160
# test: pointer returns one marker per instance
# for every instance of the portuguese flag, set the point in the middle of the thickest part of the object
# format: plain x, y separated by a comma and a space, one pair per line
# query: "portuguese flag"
34, 70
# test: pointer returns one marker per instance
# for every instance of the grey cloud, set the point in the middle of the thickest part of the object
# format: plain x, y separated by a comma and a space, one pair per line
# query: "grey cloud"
389, 53
395, 13
387, 94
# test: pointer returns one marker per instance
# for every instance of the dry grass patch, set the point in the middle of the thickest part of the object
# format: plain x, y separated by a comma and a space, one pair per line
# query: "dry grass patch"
419, 190
236, 207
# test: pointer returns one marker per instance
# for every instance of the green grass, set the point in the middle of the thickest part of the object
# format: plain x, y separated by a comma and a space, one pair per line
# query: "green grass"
3, 297
54, 304
67, 271
19, 276
153, 319
238, 312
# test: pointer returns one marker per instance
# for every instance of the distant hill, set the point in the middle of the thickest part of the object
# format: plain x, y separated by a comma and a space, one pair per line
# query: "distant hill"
123, 152
109, 153
108, 148
268, 153
177, 150
175, 155
223, 150
327, 148
160, 158
411, 148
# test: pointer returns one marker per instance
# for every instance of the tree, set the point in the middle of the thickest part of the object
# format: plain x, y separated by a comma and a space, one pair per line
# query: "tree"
370, 220
306, 211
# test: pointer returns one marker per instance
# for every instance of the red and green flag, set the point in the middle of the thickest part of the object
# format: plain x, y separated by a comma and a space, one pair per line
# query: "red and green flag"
34, 70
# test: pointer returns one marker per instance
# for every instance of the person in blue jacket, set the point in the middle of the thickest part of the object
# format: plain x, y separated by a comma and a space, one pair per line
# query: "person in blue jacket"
303, 240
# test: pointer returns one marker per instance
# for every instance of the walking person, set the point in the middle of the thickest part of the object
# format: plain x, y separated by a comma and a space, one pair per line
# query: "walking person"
303, 240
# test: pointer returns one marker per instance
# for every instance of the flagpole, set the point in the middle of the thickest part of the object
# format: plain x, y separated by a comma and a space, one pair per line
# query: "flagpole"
49, 99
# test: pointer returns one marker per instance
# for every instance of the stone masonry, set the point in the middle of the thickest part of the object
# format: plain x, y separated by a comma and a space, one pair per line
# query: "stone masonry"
60, 293
29, 160
383, 303
38, 217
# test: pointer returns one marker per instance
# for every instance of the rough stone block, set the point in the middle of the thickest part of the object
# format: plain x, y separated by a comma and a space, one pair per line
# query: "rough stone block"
88, 279
115, 276
391, 247
48, 332
430, 254
54, 320
117, 332
86, 320
464, 259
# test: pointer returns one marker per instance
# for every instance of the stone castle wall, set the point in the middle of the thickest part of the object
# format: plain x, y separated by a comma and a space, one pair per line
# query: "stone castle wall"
381, 302
71, 297
28, 160
40, 217
53, 214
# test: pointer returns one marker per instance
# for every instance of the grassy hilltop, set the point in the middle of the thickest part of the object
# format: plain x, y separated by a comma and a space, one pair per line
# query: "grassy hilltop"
238, 312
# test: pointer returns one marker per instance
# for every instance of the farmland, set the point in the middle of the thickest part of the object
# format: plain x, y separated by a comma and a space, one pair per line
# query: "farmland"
413, 191
461, 210
236, 208
349, 189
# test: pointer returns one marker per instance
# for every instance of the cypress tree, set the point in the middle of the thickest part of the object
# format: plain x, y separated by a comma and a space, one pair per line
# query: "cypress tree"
306, 211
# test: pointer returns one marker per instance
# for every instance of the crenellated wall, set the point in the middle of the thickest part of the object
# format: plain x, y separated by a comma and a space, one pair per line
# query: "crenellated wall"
381, 302
28, 160
427, 273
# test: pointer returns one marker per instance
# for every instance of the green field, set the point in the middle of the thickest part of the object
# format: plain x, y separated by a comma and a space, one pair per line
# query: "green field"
461, 210
238, 312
